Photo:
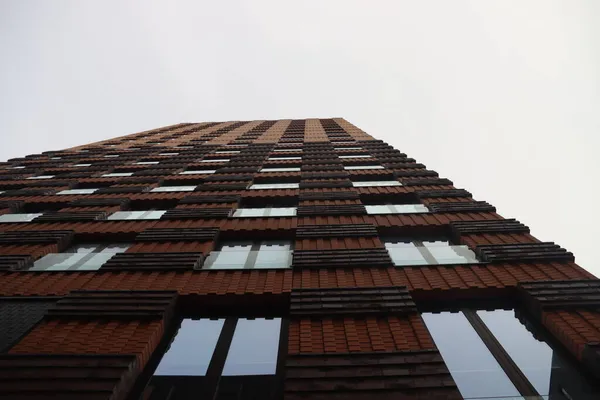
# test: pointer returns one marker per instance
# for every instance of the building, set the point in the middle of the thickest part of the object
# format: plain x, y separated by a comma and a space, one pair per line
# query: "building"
295, 259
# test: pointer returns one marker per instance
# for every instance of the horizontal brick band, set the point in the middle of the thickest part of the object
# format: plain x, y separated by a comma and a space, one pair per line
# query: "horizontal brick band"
545, 252
333, 231
346, 209
178, 235
458, 207
423, 194
153, 261
80, 216
341, 195
341, 258
226, 198
61, 238
197, 213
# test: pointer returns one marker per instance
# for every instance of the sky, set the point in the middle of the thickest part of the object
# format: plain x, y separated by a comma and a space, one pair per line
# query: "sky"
501, 97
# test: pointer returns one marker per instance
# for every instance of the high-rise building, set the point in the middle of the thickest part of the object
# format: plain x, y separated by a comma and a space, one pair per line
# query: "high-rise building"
290, 259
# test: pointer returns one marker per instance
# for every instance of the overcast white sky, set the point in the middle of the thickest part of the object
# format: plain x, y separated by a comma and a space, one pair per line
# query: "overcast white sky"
502, 97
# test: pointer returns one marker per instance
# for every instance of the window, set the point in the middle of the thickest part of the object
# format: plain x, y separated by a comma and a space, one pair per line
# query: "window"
83, 257
237, 352
376, 183
41, 177
115, 174
227, 152
55, 158
352, 167
111, 156
288, 169
251, 255
275, 186
77, 191
19, 167
174, 189
397, 209
82, 165
265, 212
285, 158
19, 217
356, 156
419, 252
168, 154
487, 351
198, 172
147, 162
125, 215
216, 160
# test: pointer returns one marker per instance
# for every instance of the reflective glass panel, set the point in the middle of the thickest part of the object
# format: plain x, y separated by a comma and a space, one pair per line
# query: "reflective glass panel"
198, 172
352, 167
148, 162
285, 158
475, 371
117, 174
274, 255
82, 165
275, 186
41, 177
532, 357
444, 253
254, 348
216, 160
405, 253
357, 156
125, 215
282, 212
396, 209
250, 212
19, 217
376, 183
191, 351
77, 191
229, 257
174, 189
289, 169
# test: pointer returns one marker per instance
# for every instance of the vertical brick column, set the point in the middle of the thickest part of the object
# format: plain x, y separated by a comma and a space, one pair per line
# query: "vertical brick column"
362, 343
91, 344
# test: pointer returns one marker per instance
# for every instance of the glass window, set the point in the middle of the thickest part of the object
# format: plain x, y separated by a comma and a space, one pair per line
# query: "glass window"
111, 156
534, 358
250, 335
397, 209
55, 158
19, 217
288, 169
168, 154
19, 167
376, 183
125, 215
284, 158
115, 174
353, 167
265, 212
41, 177
216, 160
174, 189
198, 172
88, 257
245, 255
275, 186
82, 165
416, 252
192, 349
147, 162
227, 152
357, 156
77, 191
474, 369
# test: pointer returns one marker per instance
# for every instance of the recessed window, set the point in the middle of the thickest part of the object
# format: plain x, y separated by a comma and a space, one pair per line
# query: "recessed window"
397, 209
435, 252
356, 156
275, 186
216, 160
242, 353
198, 172
265, 212
147, 162
251, 255
376, 183
353, 167
83, 257
82, 165
288, 169
77, 191
41, 177
19, 217
168, 154
111, 156
285, 158
117, 174
174, 189
491, 353
126, 215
